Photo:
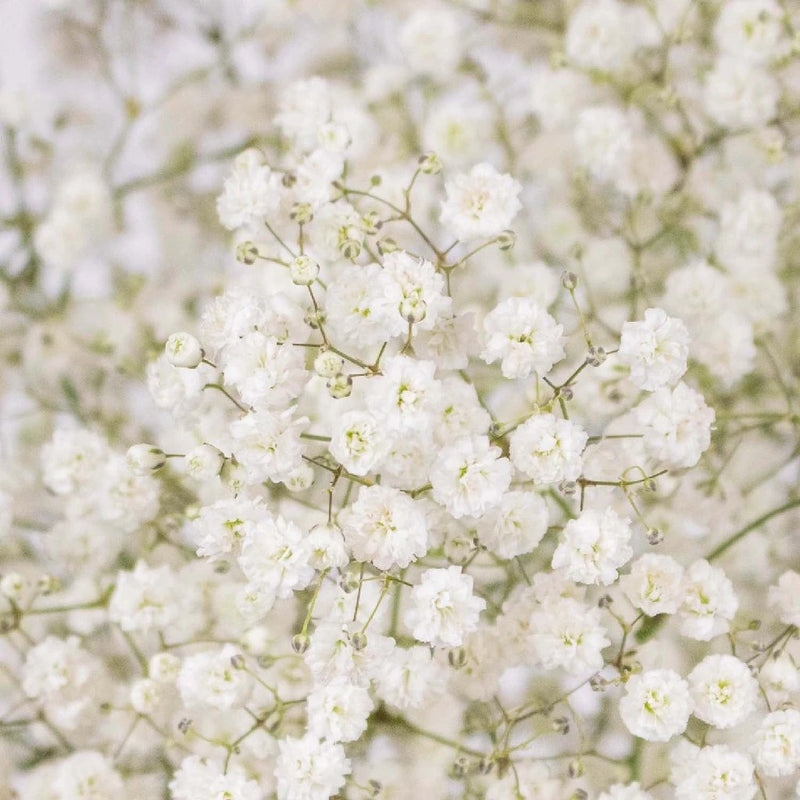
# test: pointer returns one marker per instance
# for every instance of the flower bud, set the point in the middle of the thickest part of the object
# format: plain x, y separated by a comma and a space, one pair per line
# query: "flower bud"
302, 213
566, 393
47, 584
596, 356
300, 479
350, 248
560, 725
314, 318
145, 696
506, 240
654, 536
372, 222
233, 474
568, 488
430, 164
13, 585
349, 582
237, 661
300, 643
413, 309
144, 458
246, 253
359, 641
575, 768
303, 271
327, 364
569, 280
183, 350
164, 667
185, 725
386, 245
204, 462
457, 657
340, 386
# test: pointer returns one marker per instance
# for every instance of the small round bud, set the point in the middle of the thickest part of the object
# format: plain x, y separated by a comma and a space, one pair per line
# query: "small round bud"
47, 584
412, 309
569, 280
327, 363
372, 222
375, 180
754, 625
566, 393
300, 642
233, 475
597, 683
375, 786
359, 641
13, 585
560, 725
144, 458
185, 725
222, 567
246, 253
605, 601
457, 657
303, 271
203, 462
340, 386
314, 318
580, 794
302, 213
485, 765
568, 488
654, 536
596, 356
430, 164
237, 661
164, 667
145, 696
506, 240
300, 478
350, 249
386, 245
649, 485
349, 582
575, 768
183, 350
460, 767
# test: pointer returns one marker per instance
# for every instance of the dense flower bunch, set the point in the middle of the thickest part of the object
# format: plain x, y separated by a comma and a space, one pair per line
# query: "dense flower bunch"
402, 402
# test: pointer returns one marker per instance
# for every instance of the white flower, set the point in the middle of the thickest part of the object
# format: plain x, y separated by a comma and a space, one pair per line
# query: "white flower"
656, 705
777, 743
529, 780
220, 528
655, 349
443, 608
724, 691
145, 695
338, 711
409, 676
716, 773
88, 775
265, 373
183, 350
210, 680
603, 138
432, 41
470, 476
412, 288
566, 633
480, 203
751, 30
252, 192
739, 94
600, 35
677, 425
594, 546
521, 333
515, 526
310, 769
358, 441
385, 527
72, 460
151, 598
548, 449
268, 444
275, 556
785, 598
203, 462
654, 584
407, 393
206, 779
748, 237
709, 602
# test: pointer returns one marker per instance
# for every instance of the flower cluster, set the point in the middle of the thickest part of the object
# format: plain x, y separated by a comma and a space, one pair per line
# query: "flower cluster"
400, 399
